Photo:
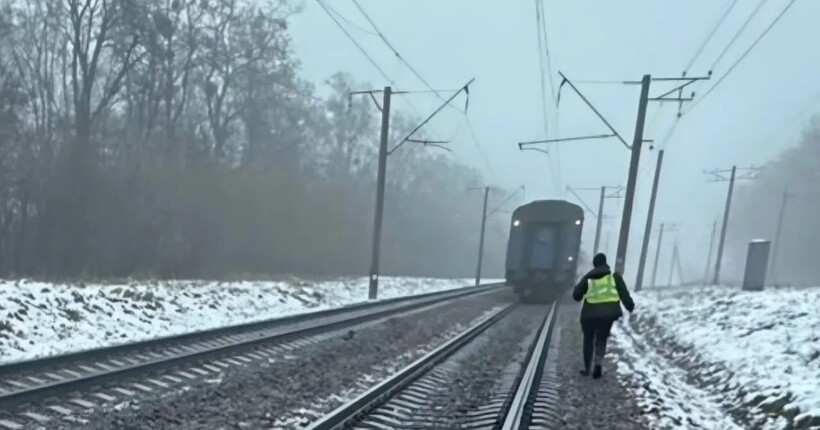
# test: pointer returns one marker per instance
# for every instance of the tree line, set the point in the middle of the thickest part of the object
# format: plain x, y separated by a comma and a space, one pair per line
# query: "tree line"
175, 138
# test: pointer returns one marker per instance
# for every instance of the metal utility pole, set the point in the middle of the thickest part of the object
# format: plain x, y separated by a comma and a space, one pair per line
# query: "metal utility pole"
677, 264
637, 141
780, 217
725, 224
384, 152
481, 239
719, 176
377, 221
648, 230
600, 221
657, 256
709, 256
600, 216
663, 227
672, 263
484, 216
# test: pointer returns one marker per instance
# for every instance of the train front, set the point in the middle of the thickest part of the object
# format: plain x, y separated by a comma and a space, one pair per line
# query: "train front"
542, 251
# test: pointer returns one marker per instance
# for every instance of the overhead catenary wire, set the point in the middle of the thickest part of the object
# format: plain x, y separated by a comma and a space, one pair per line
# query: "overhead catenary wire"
584, 203
738, 33
743, 56
355, 42
711, 34
545, 62
509, 197
349, 22
431, 89
369, 58
392, 48
541, 66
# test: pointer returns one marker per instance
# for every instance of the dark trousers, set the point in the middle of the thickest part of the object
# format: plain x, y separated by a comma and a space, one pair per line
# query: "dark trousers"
596, 332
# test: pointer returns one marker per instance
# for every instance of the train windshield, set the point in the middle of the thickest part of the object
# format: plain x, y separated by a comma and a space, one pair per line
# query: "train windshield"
543, 247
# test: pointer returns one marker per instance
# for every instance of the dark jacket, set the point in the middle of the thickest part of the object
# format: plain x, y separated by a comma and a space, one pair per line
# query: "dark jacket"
603, 310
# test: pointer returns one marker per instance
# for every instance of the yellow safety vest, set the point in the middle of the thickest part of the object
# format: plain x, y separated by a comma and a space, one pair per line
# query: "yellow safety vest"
602, 290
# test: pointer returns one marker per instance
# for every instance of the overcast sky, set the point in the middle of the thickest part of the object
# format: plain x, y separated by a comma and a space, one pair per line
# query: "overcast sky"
750, 117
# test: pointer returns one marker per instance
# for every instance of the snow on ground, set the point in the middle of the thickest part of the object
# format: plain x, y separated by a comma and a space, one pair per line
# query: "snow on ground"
39, 319
750, 357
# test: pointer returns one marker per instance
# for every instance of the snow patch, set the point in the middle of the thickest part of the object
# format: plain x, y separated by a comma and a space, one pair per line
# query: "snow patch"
40, 319
757, 354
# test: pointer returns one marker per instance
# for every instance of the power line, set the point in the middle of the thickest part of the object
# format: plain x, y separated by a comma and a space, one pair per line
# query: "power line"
544, 61
541, 64
369, 58
509, 197
427, 84
729, 71
392, 48
547, 55
711, 34
355, 42
478, 146
349, 22
738, 33
557, 170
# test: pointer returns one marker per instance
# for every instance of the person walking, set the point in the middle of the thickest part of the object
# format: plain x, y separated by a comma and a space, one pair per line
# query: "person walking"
602, 292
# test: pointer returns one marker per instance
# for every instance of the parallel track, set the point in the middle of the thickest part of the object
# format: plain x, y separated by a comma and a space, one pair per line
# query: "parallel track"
526, 399
30, 381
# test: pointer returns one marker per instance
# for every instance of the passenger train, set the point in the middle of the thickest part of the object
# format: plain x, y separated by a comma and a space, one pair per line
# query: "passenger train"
542, 251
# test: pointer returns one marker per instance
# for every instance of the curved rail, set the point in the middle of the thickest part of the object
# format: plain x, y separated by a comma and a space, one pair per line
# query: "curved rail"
61, 374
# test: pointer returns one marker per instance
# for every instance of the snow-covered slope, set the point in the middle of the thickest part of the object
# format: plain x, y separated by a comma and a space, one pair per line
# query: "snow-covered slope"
38, 319
754, 355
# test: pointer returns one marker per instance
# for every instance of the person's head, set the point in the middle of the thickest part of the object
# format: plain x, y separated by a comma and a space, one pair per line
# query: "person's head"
599, 260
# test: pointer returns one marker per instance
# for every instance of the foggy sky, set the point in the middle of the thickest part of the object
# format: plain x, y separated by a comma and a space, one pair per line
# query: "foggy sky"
755, 113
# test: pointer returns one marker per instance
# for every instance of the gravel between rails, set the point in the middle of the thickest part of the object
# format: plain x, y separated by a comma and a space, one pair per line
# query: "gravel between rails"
585, 403
471, 387
320, 378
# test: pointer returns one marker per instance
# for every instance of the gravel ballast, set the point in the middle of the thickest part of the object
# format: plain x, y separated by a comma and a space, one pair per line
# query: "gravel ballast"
295, 389
471, 387
583, 402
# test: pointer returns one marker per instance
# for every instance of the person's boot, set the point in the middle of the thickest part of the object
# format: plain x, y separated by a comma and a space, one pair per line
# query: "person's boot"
584, 372
596, 373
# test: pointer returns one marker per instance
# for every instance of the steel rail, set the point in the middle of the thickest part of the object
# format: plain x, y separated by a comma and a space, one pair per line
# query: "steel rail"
518, 414
279, 329
401, 379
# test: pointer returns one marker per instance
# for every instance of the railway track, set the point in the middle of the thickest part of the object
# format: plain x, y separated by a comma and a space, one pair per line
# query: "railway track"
192, 356
430, 393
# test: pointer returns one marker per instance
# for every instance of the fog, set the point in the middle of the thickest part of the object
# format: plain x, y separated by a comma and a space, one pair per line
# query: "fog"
219, 138
758, 111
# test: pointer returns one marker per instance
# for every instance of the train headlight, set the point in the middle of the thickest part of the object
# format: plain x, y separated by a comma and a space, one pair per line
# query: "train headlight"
516, 223
569, 258
577, 222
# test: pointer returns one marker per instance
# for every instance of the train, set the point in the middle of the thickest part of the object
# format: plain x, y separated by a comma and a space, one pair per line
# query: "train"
543, 249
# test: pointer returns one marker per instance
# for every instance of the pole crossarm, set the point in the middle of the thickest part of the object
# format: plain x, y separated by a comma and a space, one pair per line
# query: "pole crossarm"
566, 139
588, 103
666, 99
434, 143
690, 81
719, 175
534, 149
464, 89
498, 208
616, 193
616, 190
682, 78
591, 212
